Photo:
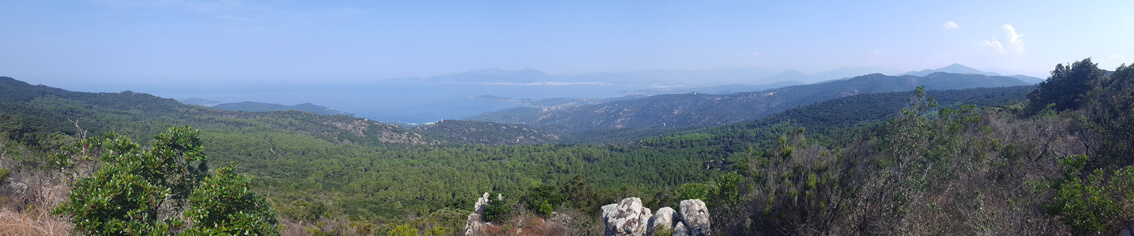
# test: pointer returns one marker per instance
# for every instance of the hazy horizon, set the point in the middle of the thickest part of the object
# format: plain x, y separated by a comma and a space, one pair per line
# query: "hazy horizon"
125, 41
336, 53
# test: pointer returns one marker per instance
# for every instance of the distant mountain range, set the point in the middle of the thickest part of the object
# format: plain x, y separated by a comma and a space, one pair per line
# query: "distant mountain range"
655, 81
428, 99
259, 106
961, 69
198, 101
723, 89
827, 118
265, 107
56, 110
494, 76
699, 109
615, 119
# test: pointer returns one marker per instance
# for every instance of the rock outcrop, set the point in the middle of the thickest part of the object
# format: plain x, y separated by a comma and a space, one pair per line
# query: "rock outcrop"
475, 224
665, 218
523, 223
481, 204
609, 208
696, 217
1128, 230
680, 230
627, 218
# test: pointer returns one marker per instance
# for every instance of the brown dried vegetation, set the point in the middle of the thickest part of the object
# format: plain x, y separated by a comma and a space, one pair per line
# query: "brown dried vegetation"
27, 196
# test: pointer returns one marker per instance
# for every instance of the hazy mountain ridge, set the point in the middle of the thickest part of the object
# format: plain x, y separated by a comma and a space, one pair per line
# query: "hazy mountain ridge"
486, 76
723, 89
657, 81
198, 101
251, 106
265, 107
842, 113
962, 69
698, 109
553, 103
56, 110
492, 90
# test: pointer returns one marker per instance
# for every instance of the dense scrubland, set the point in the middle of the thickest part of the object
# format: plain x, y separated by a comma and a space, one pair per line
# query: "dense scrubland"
1049, 159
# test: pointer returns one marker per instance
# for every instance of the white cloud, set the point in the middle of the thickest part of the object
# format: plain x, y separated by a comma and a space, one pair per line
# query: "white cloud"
950, 25
1015, 45
995, 45
874, 52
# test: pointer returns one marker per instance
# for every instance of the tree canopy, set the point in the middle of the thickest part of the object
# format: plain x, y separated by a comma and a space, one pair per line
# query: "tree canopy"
140, 191
1066, 86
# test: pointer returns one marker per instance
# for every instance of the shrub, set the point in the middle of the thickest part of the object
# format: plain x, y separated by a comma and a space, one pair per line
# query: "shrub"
403, 230
498, 209
225, 204
542, 199
696, 191
126, 195
1094, 204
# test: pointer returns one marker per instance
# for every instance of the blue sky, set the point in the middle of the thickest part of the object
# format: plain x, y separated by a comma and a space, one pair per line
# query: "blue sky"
63, 43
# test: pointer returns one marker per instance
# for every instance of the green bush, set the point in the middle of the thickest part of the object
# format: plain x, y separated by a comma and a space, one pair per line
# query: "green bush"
497, 209
225, 204
696, 191
580, 194
728, 187
664, 230
545, 208
1095, 204
403, 230
304, 211
125, 196
542, 199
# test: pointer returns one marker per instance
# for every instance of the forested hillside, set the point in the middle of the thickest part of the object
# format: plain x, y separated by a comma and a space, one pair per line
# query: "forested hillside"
834, 121
701, 110
140, 116
327, 168
1051, 159
1055, 164
479, 132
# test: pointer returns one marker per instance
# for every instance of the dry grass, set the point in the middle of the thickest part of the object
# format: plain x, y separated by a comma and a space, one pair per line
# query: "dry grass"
33, 221
40, 193
525, 224
339, 226
292, 228
26, 200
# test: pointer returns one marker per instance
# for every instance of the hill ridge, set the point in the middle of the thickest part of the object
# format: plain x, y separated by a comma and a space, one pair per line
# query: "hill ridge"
700, 110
